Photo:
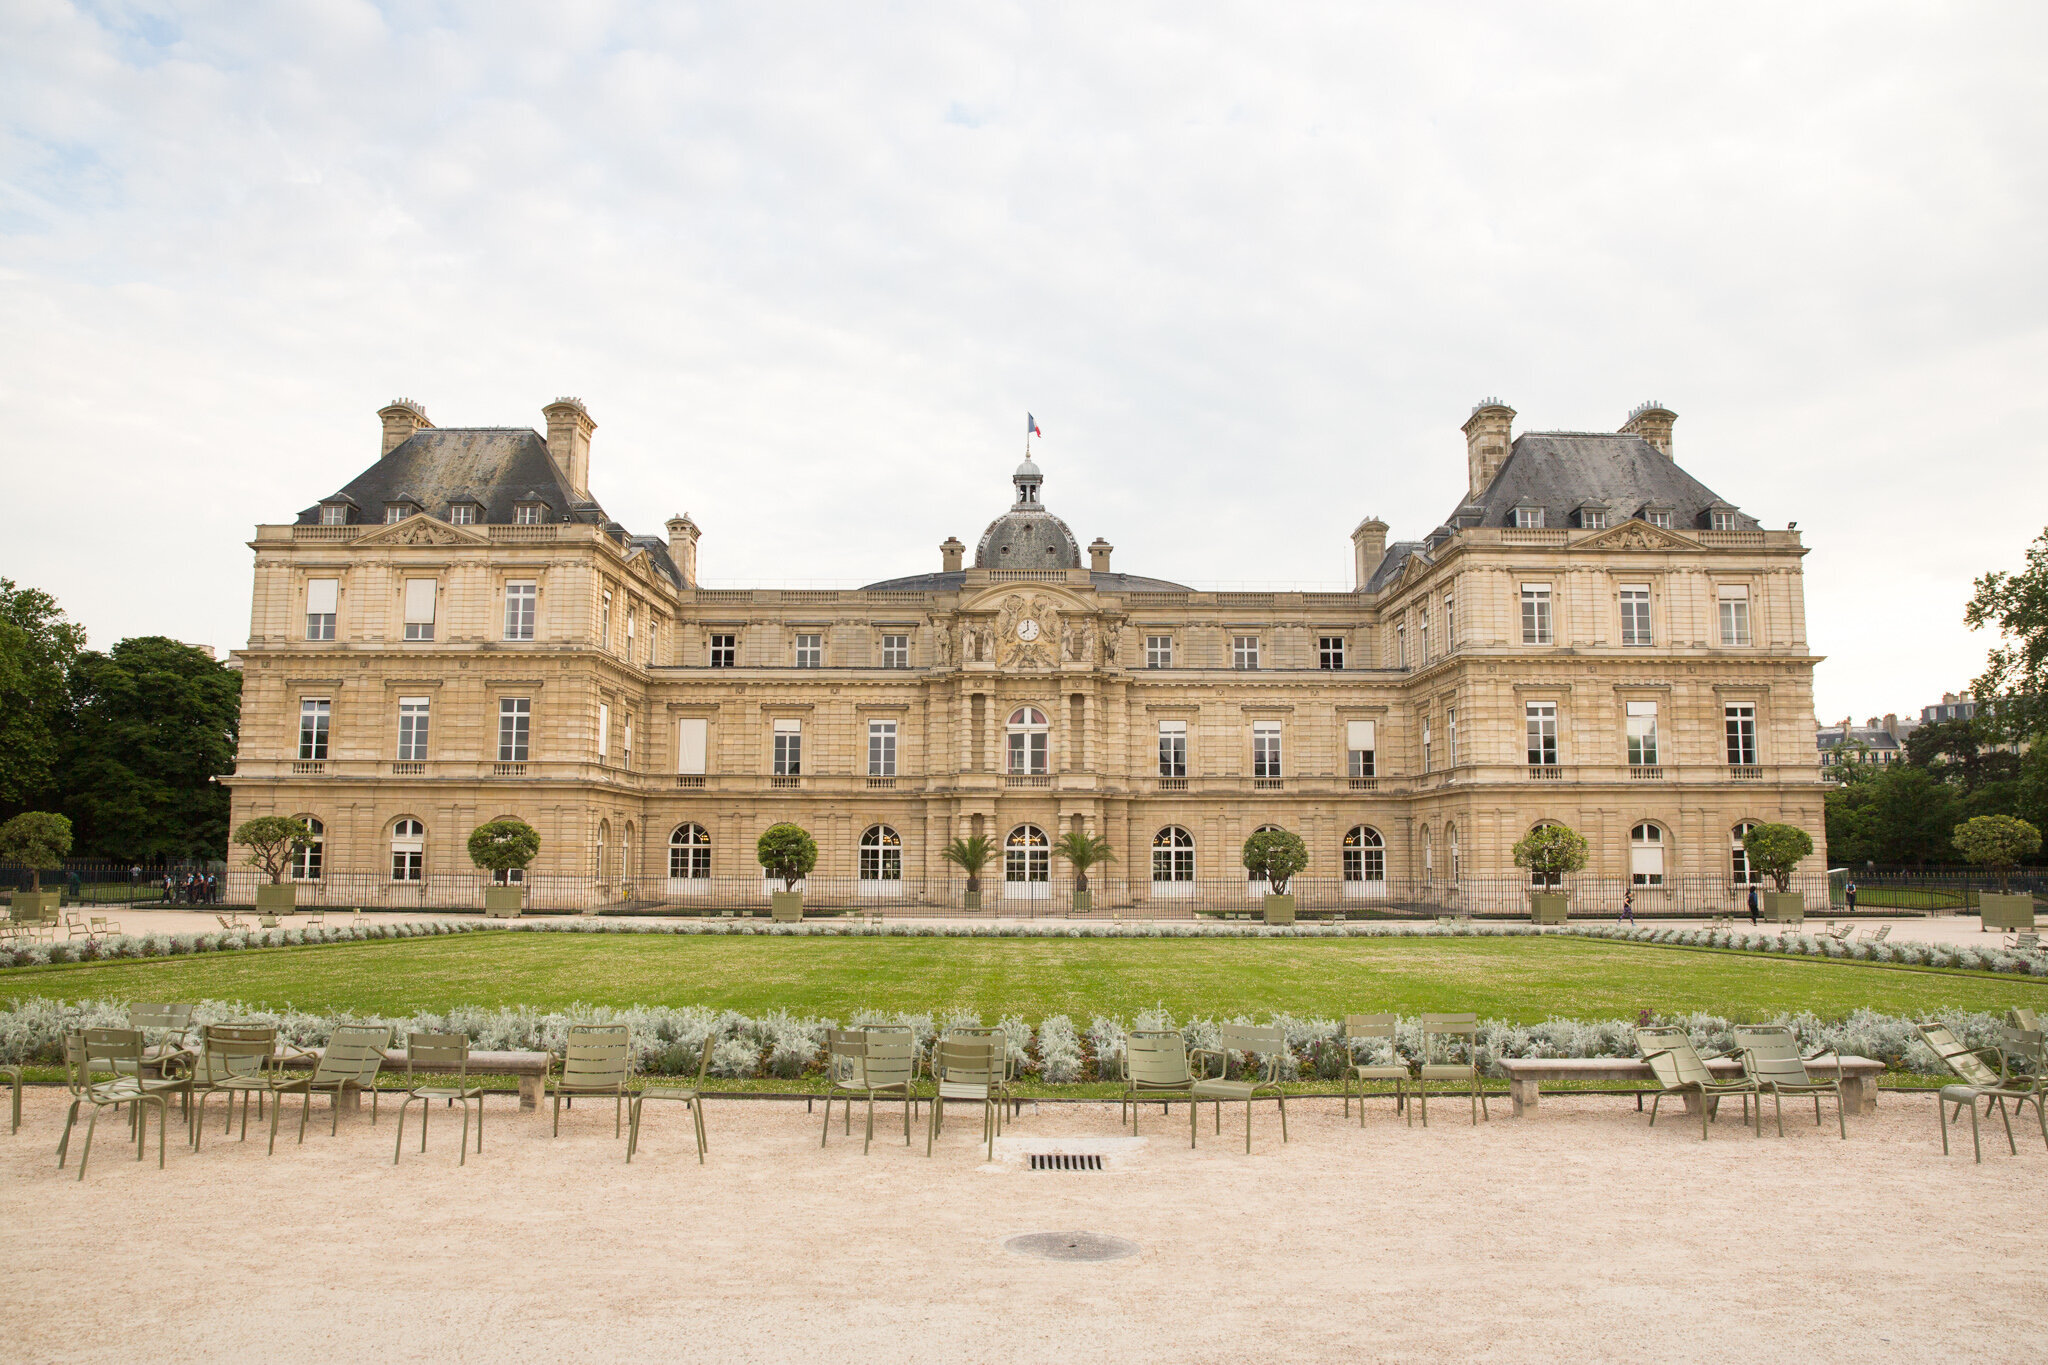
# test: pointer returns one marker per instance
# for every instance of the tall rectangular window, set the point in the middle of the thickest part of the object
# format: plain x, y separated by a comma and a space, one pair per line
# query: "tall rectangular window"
1451, 734
1244, 651
881, 748
1422, 621
1642, 734
1426, 766
515, 728
1173, 748
522, 601
1401, 644
419, 608
895, 651
1360, 739
1536, 614
632, 632
322, 594
1159, 651
1450, 623
1741, 724
789, 748
1734, 598
412, 729
1542, 723
810, 651
314, 714
1635, 613
1266, 748
725, 651
604, 620
604, 732
1330, 651
626, 741
691, 734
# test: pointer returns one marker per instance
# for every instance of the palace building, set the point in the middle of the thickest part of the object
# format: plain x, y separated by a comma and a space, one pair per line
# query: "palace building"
1592, 636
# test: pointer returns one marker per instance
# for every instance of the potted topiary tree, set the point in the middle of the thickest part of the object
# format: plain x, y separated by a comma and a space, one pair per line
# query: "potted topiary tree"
789, 853
271, 841
38, 841
1550, 852
1999, 842
502, 847
970, 854
1274, 856
1083, 851
1775, 850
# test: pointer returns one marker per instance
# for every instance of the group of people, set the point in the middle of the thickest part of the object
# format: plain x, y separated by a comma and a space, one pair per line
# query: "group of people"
193, 888
1628, 903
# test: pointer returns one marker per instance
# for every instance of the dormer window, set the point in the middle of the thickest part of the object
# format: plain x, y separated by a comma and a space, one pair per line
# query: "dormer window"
1529, 518
462, 513
526, 514
1592, 516
1661, 520
334, 514
1723, 521
395, 512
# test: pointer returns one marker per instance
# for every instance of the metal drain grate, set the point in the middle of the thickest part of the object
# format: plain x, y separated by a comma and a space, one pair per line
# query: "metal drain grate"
1045, 1161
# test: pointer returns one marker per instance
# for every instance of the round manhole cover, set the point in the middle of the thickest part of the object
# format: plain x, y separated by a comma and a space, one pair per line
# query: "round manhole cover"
1071, 1246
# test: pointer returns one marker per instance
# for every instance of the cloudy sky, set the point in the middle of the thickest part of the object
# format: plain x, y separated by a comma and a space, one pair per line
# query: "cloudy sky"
810, 266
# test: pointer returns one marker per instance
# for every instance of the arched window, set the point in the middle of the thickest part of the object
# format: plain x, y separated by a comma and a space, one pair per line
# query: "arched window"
1259, 883
1451, 843
1738, 856
408, 851
689, 853
307, 861
1027, 855
1365, 855
1173, 855
881, 855
626, 854
604, 838
508, 876
1428, 855
1028, 728
1537, 879
1646, 855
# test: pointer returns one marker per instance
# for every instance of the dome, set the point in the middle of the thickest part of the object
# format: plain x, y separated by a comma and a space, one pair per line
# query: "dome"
1027, 470
1027, 539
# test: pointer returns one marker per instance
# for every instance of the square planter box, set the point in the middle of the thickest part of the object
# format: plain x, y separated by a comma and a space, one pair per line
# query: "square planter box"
1280, 909
504, 902
1549, 907
36, 906
1785, 907
281, 898
970, 900
1084, 901
786, 906
2005, 912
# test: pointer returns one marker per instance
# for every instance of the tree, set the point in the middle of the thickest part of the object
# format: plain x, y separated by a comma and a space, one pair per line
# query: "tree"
1894, 814
2012, 692
1998, 842
1274, 856
36, 840
37, 646
502, 846
1551, 851
1775, 850
970, 854
153, 723
271, 841
787, 852
1083, 851
1955, 750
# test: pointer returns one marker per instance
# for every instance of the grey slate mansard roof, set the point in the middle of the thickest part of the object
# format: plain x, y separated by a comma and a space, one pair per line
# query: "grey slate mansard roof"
495, 466
1561, 470
950, 582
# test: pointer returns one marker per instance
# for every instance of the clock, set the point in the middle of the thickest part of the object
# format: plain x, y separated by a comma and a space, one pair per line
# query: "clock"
1027, 630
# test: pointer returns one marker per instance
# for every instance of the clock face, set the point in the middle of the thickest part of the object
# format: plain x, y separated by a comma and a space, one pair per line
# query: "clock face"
1027, 630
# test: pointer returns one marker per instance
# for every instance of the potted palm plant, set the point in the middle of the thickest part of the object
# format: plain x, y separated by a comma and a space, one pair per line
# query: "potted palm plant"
970, 854
1998, 842
38, 841
1775, 851
1550, 852
502, 847
1083, 851
1274, 856
789, 853
271, 841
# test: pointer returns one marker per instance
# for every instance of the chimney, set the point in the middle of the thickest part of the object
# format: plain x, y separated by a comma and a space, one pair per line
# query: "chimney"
1098, 555
1891, 724
569, 428
950, 551
682, 547
1488, 432
401, 419
1651, 421
1369, 547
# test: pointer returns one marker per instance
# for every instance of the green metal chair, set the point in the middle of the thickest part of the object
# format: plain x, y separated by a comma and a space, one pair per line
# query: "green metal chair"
438, 1054
350, 1061
1771, 1058
2021, 1018
241, 1059
118, 1053
888, 1070
172, 1026
13, 1074
844, 1051
1360, 1028
1441, 1033
1267, 1042
1979, 1081
1680, 1070
968, 1069
1005, 1089
690, 1095
1155, 1063
596, 1059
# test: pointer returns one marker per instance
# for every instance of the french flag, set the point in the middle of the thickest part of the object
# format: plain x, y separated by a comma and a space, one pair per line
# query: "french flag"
1031, 426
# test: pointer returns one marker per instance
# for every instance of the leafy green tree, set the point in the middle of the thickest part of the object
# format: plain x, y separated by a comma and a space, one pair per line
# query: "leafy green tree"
271, 841
1275, 856
1998, 842
970, 854
1551, 851
37, 840
1083, 851
2012, 692
1955, 751
153, 723
787, 851
37, 646
1775, 850
1895, 814
502, 846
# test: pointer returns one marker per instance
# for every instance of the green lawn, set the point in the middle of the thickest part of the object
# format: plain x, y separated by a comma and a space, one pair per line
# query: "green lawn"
1522, 979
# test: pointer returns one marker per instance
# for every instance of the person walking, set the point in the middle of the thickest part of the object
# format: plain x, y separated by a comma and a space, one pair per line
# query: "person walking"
1849, 893
1628, 906
1754, 905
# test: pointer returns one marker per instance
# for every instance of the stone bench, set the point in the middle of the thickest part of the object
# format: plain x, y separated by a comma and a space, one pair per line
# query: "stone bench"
1527, 1074
530, 1067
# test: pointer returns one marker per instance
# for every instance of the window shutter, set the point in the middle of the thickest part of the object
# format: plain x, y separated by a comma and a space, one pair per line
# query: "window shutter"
321, 594
419, 601
604, 730
690, 735
1359, 734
